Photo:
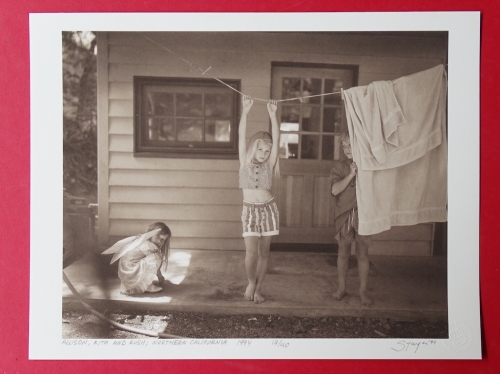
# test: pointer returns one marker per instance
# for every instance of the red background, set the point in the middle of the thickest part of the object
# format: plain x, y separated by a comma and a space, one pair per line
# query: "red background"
15, 188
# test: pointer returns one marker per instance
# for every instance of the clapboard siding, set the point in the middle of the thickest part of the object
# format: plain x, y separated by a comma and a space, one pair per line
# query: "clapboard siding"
210, 40
396, 65
367, 77
170, 212
259, 61
204, 57
126, 72
123, 73
126, 160
181, 229
121, 143
121, 125
328, 43
172, 195
121, 108
121, 90
174, 178
199, 199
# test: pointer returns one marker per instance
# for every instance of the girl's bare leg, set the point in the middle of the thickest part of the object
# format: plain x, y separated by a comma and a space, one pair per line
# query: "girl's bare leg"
363, 269
251, 245
263, 259
342, 266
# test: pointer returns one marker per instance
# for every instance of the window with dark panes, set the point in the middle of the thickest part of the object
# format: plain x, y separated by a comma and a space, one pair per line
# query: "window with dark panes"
181, 117
313, 120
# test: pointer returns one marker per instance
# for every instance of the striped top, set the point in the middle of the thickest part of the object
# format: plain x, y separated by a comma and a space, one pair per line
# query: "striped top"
256, 176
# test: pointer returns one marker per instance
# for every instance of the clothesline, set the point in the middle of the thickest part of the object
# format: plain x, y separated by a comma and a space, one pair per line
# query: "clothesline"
205, 72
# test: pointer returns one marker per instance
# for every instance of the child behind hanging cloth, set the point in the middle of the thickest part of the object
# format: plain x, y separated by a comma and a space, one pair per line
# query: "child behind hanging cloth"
343, 188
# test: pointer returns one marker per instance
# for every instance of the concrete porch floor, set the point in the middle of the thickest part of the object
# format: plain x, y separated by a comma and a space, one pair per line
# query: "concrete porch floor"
297, 284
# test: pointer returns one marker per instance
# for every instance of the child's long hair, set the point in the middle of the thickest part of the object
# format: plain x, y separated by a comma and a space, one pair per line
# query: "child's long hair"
344, 136
165, 247
253, 144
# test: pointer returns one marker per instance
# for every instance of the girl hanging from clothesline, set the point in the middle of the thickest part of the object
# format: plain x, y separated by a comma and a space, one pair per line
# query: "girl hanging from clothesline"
260, 217
142, 258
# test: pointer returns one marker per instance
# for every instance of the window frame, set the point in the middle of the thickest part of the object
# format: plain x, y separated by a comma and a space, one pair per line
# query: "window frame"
183, 149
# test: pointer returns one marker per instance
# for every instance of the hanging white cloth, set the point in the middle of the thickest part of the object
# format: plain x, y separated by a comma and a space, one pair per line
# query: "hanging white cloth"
399, 144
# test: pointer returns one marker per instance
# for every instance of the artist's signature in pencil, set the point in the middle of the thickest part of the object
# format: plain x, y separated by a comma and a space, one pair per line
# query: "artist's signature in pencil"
411, 346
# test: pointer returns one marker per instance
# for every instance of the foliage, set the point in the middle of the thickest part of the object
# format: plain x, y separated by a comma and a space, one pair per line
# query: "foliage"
80, 114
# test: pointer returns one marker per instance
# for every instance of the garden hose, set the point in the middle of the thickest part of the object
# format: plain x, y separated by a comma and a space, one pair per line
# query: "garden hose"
117, 325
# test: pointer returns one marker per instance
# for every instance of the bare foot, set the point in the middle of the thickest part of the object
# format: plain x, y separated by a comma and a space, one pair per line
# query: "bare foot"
153, 288
258, 298
339, 294
365, 300
249, 292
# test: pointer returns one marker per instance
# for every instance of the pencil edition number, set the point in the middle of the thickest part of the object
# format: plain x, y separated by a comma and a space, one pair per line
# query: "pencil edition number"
280, 343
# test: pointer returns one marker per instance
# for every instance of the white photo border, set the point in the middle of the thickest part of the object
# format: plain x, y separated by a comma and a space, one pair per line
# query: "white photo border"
45, 340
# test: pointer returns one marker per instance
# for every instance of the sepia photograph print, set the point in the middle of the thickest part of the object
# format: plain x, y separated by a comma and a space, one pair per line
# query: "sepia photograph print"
244, 191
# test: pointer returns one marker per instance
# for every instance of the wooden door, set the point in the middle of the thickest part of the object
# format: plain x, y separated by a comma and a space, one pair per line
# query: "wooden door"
309, 142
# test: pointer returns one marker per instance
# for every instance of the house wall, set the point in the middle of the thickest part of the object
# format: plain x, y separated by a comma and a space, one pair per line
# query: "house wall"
200, 199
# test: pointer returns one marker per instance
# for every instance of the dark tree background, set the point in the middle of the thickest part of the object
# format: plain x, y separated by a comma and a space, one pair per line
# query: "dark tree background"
80, 114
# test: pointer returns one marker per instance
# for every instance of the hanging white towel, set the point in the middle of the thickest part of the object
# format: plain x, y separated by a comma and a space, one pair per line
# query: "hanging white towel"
396, 122
375, 114
402, 168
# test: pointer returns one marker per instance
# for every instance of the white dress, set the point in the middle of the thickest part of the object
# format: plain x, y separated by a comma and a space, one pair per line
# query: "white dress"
138, 267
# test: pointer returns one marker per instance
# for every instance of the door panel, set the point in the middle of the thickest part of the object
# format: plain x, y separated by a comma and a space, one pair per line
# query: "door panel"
291, 190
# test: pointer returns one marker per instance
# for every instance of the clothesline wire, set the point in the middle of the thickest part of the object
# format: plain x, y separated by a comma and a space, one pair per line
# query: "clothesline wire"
205, 72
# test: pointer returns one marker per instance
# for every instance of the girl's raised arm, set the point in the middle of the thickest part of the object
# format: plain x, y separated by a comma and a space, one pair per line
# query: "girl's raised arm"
242, 129
272, 106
